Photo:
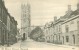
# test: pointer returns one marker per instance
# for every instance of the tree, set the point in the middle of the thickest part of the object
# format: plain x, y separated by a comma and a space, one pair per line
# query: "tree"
36, 34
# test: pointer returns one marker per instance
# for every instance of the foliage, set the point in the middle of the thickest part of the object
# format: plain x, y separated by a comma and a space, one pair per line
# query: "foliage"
37, 34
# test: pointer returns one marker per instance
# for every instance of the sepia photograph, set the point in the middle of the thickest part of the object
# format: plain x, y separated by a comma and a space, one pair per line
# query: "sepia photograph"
39, 24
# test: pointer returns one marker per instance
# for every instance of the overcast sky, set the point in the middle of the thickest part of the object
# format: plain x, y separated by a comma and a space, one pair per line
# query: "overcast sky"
42, 11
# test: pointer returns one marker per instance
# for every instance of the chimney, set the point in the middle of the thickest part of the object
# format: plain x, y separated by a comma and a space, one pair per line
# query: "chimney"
69, 7
55, 18
78, 5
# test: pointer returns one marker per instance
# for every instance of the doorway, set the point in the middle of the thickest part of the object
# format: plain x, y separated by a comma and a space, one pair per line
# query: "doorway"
23, 36
63, 40
73, 39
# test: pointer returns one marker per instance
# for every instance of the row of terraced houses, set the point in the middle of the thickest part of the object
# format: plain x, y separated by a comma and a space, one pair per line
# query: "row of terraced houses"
8, 26
64, 30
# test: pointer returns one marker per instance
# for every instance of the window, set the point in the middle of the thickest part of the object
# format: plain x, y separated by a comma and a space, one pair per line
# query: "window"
59, 28
0, 10
72, 22
78, 25
63, 39
0, 35
0, 13
49, 37
59, 37
67, 38
78, 37
0, 32
67, 28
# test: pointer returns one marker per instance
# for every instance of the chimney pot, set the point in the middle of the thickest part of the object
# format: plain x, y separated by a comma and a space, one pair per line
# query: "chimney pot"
55, 18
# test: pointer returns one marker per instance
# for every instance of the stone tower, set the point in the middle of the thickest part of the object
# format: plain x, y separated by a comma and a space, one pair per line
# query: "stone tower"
25, 19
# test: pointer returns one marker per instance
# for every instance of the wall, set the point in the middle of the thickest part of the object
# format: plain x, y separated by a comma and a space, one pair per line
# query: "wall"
73, 30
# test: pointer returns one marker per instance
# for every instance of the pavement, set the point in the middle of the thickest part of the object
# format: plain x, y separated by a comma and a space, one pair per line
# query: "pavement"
16, 44
33, 45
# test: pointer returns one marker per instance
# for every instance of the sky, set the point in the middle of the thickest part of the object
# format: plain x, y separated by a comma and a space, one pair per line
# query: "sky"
42, 11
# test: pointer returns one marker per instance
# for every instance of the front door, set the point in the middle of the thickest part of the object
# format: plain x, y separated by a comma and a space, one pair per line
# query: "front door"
23, 36
63, 40
73, 39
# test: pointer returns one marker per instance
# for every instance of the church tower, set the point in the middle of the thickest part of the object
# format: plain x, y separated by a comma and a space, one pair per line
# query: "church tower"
25, 19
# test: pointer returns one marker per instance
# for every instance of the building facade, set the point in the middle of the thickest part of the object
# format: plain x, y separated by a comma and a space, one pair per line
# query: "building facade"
65, 30
5, 25
57, 30
57, 35
48, 32
13, 31
70, 29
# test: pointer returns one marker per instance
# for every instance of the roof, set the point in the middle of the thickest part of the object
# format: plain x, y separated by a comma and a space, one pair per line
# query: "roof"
76, 12
72, 16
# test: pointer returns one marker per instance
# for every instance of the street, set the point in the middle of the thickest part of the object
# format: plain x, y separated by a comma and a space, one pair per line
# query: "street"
33, 45
43, 45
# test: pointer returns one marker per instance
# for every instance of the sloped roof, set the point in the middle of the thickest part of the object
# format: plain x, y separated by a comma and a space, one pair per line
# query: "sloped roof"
76, 12
73, 15
67, 15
